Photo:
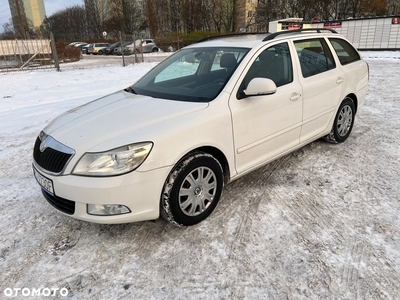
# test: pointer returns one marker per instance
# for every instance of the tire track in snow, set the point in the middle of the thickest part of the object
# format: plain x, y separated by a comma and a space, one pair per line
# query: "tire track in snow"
253, 205
357, 253
321, 216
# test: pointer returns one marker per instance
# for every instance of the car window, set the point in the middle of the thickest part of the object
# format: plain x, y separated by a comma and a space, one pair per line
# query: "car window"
314, 56
345, 52
193, 74
217, 65
274, 63
185, 66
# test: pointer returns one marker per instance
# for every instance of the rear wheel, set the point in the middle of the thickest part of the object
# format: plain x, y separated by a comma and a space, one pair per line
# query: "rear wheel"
192, 190
343, 123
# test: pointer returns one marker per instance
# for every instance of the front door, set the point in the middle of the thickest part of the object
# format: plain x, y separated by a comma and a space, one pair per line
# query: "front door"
265, 126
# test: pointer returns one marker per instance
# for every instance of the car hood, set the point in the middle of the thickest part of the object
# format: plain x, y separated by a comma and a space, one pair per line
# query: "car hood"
121, 113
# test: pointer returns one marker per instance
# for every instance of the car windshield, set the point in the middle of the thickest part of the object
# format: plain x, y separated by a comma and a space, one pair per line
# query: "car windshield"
192, 74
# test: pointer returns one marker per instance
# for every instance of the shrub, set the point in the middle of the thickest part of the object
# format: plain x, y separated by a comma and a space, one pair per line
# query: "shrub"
67, 53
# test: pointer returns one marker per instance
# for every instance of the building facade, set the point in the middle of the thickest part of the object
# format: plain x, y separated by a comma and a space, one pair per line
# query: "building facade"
26, 15
35, 12
376, 33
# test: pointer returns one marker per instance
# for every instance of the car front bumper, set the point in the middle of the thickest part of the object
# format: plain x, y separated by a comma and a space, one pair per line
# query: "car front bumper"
139, 191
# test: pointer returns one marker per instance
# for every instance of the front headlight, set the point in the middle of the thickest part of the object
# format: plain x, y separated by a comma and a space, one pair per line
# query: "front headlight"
113, 162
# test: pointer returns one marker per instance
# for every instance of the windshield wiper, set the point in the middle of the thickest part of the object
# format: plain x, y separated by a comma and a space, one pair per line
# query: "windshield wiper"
129, 89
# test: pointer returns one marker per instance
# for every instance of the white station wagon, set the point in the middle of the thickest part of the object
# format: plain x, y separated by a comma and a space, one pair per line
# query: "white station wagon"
208, 114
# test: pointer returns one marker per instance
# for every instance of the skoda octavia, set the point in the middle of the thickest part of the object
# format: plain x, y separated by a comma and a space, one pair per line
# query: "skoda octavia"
208, 114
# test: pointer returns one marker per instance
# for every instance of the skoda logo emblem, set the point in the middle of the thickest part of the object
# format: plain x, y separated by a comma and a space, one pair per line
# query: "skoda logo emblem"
43, 145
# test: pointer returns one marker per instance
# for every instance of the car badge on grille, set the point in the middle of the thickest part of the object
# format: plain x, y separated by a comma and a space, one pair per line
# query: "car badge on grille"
43, 146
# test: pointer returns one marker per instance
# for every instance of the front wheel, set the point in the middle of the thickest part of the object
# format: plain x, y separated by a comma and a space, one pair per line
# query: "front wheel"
192, 189
343, 123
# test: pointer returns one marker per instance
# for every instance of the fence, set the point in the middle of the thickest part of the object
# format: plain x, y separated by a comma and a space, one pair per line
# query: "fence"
16, 55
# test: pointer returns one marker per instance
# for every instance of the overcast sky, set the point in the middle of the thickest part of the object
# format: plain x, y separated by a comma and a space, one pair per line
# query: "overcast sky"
51, 7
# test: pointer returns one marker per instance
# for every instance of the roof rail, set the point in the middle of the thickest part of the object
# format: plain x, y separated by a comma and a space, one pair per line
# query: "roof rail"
275, 34
214, 37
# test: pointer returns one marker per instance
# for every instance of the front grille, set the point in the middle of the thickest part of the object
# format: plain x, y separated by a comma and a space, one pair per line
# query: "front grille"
50, 159
64, 205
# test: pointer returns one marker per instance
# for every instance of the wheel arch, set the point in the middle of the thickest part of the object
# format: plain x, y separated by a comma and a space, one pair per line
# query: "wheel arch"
219, 155
354, 98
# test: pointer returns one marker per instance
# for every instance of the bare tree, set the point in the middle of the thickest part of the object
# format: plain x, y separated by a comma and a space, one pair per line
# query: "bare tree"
124, 16
393, 7
213, 9
230, 13
67, 25
8, 31
96, 15
153, 16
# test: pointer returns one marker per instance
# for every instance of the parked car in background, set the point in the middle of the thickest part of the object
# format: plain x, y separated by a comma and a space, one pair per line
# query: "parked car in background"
87, 49
98, 48
110, 49
80, 46
76, 44
145, 45
123, 48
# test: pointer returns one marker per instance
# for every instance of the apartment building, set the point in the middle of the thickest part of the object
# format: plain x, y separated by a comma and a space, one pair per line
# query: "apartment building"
30, 12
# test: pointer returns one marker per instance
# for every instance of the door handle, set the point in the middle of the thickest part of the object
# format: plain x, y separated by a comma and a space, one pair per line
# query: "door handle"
295, 97
339, 80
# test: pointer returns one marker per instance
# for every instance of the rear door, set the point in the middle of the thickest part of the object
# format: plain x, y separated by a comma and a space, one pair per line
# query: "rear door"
354, 68
148, 45
322, 83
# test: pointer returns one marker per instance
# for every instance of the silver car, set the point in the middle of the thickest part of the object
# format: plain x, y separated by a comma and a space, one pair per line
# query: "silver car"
145, 45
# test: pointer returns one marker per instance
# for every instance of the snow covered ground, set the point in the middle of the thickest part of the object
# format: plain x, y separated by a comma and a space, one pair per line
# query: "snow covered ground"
320, 223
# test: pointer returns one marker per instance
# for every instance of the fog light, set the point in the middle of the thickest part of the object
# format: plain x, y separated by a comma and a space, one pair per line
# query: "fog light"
107, 209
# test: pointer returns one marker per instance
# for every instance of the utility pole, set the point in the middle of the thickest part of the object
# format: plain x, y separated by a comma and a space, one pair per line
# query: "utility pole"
21, 22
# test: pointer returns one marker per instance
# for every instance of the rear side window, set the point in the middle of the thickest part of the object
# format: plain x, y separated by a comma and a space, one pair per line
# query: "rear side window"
314, 56
345, 52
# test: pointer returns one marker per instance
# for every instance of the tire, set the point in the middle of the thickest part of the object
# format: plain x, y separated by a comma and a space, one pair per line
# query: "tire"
155, 50
100, 52
343, 123
192, 190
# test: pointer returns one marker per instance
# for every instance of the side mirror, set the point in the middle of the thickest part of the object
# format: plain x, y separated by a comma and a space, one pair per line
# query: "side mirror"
260, 87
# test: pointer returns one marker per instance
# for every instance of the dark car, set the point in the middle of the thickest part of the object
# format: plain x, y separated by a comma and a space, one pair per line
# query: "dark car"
118, 50
110, 49
87, 49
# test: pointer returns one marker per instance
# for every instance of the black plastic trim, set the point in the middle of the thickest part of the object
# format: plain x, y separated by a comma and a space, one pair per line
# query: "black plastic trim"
275, 34
61, 204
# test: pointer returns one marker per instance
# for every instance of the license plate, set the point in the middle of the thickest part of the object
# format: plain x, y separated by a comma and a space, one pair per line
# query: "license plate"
45, 183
